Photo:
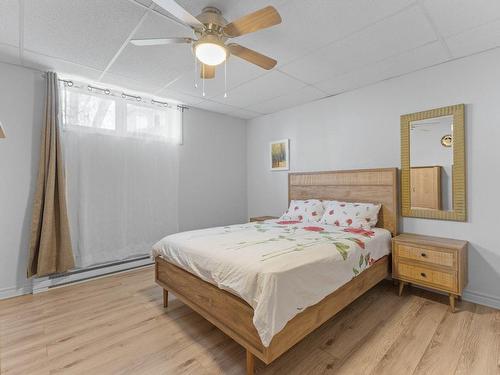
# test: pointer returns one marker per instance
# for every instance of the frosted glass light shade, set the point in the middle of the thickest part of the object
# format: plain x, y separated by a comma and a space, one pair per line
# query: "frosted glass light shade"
210, 53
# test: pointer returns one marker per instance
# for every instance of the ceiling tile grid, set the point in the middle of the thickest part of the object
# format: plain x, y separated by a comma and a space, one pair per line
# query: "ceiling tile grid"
478, 39
293, 98
454, 16
186, 99
265, 87
237, 73
366, 47
323, 47
87, 32
155, 65
410, 61
43, 62
308, 25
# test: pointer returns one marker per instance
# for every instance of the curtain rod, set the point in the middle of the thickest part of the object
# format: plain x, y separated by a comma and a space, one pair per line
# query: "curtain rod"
124, 95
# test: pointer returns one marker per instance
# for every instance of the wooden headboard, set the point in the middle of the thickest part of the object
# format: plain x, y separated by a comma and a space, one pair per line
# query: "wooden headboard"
363, 185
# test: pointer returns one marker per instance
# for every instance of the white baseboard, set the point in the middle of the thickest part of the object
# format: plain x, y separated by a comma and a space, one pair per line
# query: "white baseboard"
42, 284
482, 299
15, 291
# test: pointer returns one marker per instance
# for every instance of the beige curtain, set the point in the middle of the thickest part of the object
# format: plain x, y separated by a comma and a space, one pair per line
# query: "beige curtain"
50, 246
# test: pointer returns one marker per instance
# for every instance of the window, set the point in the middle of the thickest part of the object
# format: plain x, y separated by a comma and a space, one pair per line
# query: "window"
106, 112
122, 172
80, 109
153, 122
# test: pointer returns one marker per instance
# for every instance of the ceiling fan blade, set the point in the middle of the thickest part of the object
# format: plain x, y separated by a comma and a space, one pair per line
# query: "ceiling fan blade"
252, 56
180, 13
261, 19
159, 41
207, 71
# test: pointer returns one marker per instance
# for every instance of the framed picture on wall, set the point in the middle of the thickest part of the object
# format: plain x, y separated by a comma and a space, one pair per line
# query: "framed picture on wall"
279, 155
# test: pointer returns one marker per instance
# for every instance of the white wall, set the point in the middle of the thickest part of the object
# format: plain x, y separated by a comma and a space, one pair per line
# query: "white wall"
361, 129
212, 171
212, 177
20, 112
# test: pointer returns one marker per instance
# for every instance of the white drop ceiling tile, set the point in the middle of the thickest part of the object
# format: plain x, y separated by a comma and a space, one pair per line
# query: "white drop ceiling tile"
308, 25
9, 54
215, 106
424, 56
185, 84
304, 95
231, 10
144, 2
454, 16
263, 88
311, 68
182, 98
238, 72
244, 114
368, 46
48, 63
130, 83
155, 65
9, 22
402, 32
87, 32
475, 40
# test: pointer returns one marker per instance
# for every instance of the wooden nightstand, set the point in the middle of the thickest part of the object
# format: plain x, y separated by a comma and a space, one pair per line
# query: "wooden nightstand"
262, 218
433, 262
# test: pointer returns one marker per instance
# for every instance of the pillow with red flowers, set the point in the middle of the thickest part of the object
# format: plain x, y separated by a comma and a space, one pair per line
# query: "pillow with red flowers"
308, 210
354, 215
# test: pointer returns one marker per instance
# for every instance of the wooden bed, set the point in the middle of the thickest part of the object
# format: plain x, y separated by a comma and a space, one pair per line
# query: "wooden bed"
234, 316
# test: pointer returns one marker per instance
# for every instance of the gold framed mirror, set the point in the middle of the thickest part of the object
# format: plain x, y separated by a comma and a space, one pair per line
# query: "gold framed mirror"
433, 164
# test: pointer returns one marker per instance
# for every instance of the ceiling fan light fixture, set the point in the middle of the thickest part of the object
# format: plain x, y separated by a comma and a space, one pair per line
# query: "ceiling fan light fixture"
210, 53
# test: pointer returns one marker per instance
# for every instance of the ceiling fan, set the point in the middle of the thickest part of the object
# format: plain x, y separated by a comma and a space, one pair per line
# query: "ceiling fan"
212, 31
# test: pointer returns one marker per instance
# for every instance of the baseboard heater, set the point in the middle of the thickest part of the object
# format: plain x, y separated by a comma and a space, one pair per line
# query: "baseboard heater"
42, 284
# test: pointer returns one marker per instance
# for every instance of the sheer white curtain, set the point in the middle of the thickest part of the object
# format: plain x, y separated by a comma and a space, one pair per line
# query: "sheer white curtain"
122, 172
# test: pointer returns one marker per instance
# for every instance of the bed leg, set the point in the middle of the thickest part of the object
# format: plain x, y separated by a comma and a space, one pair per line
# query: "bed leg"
165, 298
250, 363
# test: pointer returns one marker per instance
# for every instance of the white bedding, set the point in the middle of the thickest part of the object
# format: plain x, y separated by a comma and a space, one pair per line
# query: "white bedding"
279, 269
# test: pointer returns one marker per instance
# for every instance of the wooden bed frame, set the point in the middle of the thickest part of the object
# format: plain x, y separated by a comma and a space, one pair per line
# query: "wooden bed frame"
234, 316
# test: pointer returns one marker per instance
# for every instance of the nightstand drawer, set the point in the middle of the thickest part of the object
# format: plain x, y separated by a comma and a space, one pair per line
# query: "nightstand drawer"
439, 279
441, 258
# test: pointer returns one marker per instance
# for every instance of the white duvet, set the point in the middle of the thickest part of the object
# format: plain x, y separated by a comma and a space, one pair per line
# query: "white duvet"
279, 268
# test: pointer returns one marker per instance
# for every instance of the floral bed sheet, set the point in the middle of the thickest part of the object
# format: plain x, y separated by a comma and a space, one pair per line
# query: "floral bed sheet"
278, 267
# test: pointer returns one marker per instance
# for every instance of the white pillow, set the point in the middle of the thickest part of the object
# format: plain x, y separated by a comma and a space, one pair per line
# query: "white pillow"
354, 215
308, 210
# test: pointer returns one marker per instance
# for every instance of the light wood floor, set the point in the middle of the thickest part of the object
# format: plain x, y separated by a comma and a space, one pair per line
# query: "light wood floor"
116, 325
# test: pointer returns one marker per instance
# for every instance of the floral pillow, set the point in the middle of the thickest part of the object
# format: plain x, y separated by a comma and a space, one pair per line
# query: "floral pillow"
354, 215
308, 210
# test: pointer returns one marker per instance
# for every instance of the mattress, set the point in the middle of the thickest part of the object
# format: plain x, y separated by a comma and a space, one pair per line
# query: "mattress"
279, 268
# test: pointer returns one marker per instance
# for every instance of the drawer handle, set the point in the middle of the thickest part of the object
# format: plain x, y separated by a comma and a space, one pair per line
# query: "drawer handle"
423, 255
423, 274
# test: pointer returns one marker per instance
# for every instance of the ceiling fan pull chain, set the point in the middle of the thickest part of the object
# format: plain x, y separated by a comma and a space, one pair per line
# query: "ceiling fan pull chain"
203, 78
225, 78
195, 73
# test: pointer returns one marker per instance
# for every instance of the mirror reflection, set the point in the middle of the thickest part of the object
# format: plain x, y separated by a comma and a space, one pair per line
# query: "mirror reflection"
431, 163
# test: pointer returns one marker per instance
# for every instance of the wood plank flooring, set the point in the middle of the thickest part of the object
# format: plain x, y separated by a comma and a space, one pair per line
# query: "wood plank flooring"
117, 325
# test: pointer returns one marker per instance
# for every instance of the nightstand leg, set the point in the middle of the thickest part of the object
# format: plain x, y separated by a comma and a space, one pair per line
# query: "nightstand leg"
165, 298
452, 302
401, 286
